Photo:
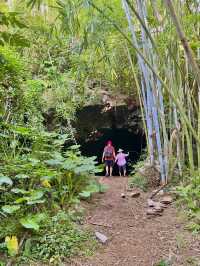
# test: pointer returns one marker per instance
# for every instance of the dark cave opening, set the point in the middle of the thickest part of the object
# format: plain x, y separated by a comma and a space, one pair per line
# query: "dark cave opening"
131, 142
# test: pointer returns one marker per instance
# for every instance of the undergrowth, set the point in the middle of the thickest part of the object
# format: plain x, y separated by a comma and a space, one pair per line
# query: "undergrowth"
137, 179
59, 238
188, 193
40, 182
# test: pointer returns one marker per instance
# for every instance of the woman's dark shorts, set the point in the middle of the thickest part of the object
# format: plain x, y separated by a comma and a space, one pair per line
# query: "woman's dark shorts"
109, 163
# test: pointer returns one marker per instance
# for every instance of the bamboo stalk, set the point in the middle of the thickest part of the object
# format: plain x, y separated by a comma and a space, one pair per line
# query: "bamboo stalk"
183, 40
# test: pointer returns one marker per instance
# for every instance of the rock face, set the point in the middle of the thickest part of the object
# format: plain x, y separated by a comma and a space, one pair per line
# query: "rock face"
96, 124
121, 124
91, 118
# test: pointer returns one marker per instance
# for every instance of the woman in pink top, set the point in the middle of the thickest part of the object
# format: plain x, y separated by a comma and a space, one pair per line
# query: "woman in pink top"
121, 161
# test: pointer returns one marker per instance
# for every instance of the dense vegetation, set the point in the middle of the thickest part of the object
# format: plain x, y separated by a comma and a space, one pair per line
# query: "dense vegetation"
55, 56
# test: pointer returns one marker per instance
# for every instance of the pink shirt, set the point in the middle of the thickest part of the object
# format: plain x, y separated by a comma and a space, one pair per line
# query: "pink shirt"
121, 159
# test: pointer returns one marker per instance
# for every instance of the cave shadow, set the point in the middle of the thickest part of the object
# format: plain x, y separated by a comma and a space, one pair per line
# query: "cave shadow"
121, 138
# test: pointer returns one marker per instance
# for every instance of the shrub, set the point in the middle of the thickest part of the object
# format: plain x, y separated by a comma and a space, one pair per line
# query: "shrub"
59, 238
137, 179
188, 196
11, 77
38, 177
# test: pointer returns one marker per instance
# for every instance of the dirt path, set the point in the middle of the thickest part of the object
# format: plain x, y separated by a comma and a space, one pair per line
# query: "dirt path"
135, 240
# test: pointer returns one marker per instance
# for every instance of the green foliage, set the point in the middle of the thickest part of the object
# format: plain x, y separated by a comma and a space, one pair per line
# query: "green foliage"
61, 177
39, 175
10, 20
137, 179
59, 238
162, 263
5, 180
188, 196
10, 209
11, 76
33, 221
93, 187
11, 64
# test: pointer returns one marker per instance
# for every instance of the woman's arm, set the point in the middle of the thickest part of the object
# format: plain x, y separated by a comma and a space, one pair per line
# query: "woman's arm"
103, 157
114, 154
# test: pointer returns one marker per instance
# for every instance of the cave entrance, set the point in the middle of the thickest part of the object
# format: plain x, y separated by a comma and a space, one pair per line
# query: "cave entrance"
121, 138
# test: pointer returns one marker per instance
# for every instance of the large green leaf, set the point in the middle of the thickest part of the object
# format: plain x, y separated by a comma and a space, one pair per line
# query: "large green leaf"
4, 136
85, 194
30, 223
22, 176
10, 208
75, 147
33, 222
48, 178
21, 130
34, 161
53, 162
5, 180
32, 202
36, 195
69, 165
21, 200
19, 191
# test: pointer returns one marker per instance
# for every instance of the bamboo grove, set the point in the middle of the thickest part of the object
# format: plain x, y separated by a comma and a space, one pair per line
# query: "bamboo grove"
169, 91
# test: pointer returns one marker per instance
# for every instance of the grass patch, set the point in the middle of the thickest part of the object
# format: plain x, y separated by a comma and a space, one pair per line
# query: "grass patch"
139, 181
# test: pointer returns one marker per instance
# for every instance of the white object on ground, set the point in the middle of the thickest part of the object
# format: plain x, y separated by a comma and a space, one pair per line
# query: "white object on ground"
102, 238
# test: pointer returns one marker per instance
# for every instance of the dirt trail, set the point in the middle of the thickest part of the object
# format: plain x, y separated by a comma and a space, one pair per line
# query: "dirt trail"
135, 240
